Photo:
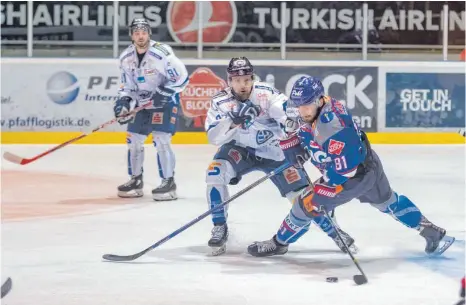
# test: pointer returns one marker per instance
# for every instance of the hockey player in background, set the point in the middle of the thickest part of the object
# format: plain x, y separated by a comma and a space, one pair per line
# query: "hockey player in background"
150, 71
246, 121
350, 170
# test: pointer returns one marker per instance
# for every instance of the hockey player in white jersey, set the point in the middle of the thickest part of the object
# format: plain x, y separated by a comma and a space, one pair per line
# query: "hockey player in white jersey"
149, 71
247, 120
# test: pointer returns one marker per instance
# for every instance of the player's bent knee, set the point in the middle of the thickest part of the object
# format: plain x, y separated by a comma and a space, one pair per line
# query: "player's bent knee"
219, 172
135, 141
162, 140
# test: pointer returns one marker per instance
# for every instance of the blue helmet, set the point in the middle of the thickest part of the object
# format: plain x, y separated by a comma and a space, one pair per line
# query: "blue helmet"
306, 90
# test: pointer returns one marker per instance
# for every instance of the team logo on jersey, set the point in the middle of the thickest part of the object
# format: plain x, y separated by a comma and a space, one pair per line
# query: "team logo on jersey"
335, 147
263, 136
196, 97
234, 155
218, 20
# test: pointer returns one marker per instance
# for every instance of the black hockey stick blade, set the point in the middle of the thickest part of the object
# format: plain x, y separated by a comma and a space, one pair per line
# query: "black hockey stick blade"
6, 287
360, 279
122, 258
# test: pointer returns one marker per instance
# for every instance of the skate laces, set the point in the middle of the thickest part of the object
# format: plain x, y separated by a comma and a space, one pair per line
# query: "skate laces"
218, 232
266, 246
130, 182
165, 182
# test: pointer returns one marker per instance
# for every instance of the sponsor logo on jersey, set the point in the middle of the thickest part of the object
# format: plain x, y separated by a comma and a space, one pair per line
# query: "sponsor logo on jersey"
325, 193
326, 117
196, 97
150, 71
218, 22
157, 118
335, 147
172, 120
235, 155
291, 175
263, 136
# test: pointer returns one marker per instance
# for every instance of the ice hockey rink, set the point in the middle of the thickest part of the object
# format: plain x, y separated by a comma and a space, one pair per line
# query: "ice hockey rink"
61, 214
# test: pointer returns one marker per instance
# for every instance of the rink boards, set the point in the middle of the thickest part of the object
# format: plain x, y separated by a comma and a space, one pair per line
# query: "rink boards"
394, 102
201, 138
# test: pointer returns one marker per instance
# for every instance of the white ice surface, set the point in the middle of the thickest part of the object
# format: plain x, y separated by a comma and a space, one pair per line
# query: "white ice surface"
57, 260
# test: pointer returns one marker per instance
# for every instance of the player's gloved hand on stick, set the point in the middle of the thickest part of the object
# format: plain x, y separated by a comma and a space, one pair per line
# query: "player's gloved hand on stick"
245, 114
162, 96
294, 153
122, 106
323, 189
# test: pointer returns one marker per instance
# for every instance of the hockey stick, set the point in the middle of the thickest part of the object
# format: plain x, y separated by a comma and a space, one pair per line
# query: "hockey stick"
359, 279
6, 287
23, 161
122, 258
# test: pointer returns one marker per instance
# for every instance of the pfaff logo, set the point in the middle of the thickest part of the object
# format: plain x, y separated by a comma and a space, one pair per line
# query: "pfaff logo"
298, 93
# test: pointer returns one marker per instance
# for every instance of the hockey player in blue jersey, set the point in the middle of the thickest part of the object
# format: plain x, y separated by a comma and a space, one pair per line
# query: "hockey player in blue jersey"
150, 71
350, 169
247, 120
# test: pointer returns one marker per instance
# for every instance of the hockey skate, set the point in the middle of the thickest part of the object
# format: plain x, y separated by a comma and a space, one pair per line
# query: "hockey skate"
218, 241
132, 188
349, 241
267, 248
166, 191
436, 239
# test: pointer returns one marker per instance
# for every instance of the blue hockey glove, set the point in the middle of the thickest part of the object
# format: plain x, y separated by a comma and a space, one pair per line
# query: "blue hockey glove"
162, 96
245, 114
294, 153
122, 106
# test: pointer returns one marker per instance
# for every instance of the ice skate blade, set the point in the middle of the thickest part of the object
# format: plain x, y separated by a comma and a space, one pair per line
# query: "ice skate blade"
216, 251
444, 244
165, 196
131, 194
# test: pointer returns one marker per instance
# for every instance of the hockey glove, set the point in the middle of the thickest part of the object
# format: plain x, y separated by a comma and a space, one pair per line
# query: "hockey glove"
323, 189
162, 96
291, 126
122, 106
294, 153
245, 114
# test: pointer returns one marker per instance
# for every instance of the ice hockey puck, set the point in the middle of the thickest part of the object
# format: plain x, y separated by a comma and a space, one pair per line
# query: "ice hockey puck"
332, 279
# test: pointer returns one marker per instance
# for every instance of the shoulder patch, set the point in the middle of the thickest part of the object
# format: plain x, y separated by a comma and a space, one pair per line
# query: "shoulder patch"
127, 55
327, 117
155, 55
219, 94
158, 46
264, 88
